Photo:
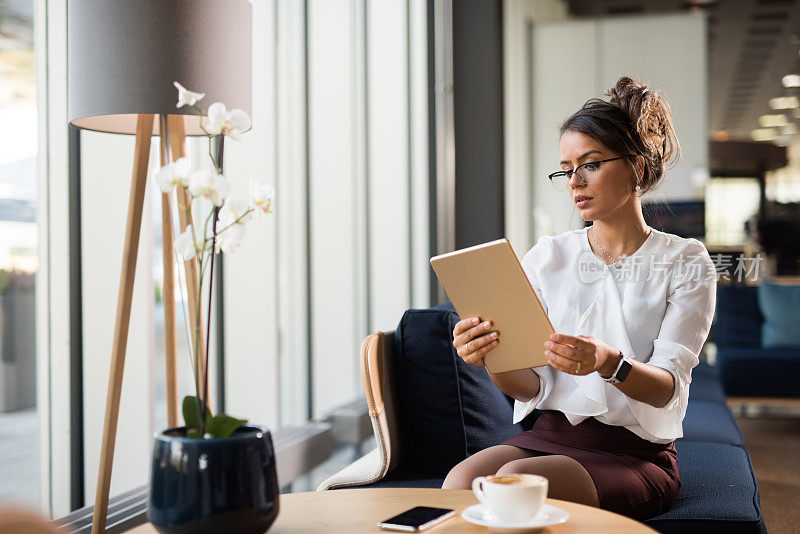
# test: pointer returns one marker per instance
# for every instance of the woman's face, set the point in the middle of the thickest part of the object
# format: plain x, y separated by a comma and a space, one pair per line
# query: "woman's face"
609, 185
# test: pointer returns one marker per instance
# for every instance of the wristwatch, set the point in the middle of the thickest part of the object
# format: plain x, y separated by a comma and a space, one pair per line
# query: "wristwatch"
620, 372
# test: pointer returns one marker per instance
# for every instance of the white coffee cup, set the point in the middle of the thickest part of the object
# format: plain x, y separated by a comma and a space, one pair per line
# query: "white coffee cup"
514, 498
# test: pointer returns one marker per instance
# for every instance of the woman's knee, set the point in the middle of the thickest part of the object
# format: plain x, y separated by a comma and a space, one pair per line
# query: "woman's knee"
568, 479
460, 476
483, 463
516, 466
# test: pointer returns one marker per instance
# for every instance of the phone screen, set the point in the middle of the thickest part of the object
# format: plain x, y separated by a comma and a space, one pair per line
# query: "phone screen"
417, 518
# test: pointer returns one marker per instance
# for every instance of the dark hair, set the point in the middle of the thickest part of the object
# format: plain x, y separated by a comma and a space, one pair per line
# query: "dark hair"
636, 121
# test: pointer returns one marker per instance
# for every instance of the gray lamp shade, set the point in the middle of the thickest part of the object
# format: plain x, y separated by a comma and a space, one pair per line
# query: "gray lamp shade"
124, 56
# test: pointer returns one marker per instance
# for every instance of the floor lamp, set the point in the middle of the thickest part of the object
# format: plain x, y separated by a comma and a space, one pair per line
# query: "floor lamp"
123, 57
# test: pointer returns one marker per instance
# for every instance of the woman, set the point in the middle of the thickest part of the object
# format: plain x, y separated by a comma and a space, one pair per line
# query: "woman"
631, 307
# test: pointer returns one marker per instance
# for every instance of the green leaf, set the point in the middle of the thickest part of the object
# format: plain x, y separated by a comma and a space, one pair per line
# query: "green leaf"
191, 414
222, 426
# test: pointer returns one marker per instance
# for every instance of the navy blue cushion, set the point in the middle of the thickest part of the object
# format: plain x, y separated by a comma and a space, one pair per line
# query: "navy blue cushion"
738, 320
703, 370
753, 371
403, 478
718, 492
448, 409
710, 421
779, 306
706, 389
706, 385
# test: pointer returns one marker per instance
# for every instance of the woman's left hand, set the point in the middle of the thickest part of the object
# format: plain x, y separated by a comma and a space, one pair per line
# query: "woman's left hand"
579, 355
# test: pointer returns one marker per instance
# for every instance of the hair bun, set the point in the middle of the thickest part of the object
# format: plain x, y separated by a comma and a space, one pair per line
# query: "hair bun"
651, 115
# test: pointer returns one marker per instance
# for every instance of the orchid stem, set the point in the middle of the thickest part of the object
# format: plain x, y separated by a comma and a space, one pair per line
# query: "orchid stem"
236, 221
215, 218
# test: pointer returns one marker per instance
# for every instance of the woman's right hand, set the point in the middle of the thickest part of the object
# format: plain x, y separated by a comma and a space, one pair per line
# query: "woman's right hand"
473, 340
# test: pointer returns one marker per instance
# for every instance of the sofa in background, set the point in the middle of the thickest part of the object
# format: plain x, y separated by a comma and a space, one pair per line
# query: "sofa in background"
748, 366
430, 410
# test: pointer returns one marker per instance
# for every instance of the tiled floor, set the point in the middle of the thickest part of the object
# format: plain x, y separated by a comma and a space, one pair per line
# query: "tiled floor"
773, 444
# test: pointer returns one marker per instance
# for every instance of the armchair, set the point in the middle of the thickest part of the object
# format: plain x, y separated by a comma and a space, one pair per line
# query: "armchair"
430, 410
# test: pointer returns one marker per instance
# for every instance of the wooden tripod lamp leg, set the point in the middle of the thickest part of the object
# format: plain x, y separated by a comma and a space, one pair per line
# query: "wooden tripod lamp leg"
177, 140
168, 288
144, 131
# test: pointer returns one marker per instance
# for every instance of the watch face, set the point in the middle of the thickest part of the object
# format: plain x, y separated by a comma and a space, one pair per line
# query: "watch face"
624, 369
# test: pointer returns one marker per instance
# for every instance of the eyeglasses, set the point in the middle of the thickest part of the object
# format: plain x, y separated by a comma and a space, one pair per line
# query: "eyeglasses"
561, 178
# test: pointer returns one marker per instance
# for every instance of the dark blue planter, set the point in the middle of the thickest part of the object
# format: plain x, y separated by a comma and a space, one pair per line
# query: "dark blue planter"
213, 485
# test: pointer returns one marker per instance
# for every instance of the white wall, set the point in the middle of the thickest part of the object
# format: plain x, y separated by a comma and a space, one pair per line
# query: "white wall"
573, 61
388, 163
251, 272
291, 211
105, 190
418, 116
334, 212
562, 82
366, 249
674, 60
519, 17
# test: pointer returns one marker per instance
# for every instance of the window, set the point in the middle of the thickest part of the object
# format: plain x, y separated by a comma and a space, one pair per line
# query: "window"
729, 203
345, 253
19, 441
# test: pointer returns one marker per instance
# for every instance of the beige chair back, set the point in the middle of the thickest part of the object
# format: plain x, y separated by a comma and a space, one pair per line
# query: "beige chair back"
376, 375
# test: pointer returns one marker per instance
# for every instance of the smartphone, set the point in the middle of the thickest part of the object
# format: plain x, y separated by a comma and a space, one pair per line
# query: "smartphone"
417, 519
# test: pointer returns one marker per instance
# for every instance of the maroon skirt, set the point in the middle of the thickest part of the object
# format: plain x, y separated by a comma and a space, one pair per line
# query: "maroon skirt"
633, 476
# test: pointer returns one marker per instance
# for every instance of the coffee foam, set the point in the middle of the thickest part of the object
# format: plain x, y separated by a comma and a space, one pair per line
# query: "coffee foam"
522, 479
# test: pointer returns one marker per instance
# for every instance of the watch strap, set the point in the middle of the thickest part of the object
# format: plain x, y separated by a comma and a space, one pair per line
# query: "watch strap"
624, 370
620, 371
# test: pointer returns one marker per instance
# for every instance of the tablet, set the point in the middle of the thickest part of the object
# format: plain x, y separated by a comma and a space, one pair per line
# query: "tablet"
487, 281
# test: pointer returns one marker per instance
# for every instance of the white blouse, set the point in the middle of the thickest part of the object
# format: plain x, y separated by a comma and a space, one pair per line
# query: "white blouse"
655, 305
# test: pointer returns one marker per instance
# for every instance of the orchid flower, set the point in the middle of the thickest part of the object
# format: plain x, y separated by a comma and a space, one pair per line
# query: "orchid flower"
235, 210
261, 196
222, 231
209, 184
187, 97
187, 246
222, 121
172, 174
229, 240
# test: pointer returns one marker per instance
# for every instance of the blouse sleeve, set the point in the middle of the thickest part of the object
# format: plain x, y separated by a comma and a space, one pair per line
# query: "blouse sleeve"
686, 323
531, 264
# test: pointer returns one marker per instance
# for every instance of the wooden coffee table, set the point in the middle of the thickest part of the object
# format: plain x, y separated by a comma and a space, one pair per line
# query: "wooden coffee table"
359, 510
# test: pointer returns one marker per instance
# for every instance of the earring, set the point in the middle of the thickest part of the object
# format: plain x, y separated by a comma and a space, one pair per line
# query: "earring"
637, 188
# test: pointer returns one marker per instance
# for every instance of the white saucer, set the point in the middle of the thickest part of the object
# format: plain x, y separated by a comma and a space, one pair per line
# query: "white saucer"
548, 515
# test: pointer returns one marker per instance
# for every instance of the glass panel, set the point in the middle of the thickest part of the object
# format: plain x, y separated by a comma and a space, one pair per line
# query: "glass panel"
183, 353
19, 447
783, 185
730, 202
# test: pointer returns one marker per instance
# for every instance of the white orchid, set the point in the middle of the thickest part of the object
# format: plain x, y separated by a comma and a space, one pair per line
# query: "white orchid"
198, 244
261, 196
188, 245
209, 184
173, 174
187, 97
221, 121
229, 240
235, 210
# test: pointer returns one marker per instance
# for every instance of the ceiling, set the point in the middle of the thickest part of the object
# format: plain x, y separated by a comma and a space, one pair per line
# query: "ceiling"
752, 44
